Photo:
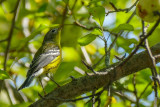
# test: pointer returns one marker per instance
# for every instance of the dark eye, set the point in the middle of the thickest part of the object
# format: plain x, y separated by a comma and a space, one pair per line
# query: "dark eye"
53, 30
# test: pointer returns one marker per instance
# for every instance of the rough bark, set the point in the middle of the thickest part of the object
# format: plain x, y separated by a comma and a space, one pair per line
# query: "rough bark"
94, 81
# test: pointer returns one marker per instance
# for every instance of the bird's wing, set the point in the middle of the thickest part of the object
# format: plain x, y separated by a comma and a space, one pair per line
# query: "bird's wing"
42, 59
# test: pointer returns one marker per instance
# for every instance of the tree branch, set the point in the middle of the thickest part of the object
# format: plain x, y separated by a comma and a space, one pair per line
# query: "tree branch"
94, 81
10, 33
9, 91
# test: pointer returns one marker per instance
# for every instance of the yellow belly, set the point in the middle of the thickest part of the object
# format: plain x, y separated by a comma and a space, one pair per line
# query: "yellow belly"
52, 67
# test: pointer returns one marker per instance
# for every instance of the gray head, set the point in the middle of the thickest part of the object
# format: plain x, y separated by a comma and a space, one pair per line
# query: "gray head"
51, 35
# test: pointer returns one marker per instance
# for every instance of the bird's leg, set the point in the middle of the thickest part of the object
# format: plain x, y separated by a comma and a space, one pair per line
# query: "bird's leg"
51, 78
39, 78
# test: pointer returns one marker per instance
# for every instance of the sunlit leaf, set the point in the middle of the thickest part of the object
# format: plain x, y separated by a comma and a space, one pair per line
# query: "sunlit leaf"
97, 32
4, 75
85, 40
98, 14
153, 39
64, 71
125, 26
126, 43
8, 5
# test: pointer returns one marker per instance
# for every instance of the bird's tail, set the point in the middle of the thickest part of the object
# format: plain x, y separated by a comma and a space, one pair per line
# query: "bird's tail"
26, 83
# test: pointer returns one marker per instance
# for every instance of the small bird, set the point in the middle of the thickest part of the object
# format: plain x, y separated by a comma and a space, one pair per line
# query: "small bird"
46, 59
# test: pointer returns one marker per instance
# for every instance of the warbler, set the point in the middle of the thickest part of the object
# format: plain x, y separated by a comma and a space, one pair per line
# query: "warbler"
47, 58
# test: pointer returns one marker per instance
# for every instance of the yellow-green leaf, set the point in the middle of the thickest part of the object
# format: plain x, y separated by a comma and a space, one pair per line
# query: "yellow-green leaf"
85, 40
3, 75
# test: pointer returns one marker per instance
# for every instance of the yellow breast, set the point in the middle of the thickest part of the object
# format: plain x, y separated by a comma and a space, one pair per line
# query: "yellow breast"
52, 67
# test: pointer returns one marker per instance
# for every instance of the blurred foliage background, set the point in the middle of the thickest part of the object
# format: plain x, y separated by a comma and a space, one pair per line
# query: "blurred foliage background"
85, 23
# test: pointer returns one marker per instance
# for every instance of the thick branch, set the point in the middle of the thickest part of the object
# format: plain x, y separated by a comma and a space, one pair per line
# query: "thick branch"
106, 76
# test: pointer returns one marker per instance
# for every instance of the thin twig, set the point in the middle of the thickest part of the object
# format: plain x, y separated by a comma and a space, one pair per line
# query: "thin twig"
157, 56
10, 34
10, 92
121, 10
94, 66
73, 6
129, 19
64, 14
93, 98
135, 90
89, 67
74, 100
7, 50
98, 100
145, 89
124, 96
154, 72
4, 40
91, 28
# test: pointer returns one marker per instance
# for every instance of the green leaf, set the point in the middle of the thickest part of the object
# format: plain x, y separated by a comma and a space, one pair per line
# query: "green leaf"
43, 7
98, 14
153, 39
61, 75
125, 43
97, 32
8, 5
4, 75
124, 26
85, 40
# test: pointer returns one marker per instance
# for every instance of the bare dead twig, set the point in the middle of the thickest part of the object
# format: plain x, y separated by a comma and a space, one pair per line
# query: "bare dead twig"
153, 65
89, 67
121, 10
154, 72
